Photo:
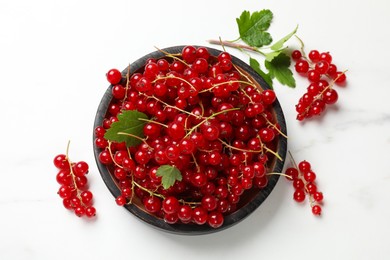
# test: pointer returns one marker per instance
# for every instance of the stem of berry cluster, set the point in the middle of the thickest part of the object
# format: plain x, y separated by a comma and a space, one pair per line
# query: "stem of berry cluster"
72, 173
209, 117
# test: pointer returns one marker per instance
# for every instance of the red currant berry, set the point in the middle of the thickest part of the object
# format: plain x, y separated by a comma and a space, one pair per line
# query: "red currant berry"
340, 77
80, 168
215, 219
268, 96
292, 173
304, 166
185, 213
189, 54
299, 195
313, 75
61, 162
199, 215
301, 66
326, 57
114, 76
152, 204
79, 211
330, 96
316, 210
86, 197
170, 205
296, 55
90, 212
314, 55
120, 200
318, 196
309, 176
322, 67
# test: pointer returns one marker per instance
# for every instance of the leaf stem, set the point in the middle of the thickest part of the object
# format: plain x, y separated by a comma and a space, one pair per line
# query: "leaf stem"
236, 46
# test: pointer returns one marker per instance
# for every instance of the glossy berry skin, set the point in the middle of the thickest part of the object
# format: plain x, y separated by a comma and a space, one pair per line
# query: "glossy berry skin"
299, 195
301, 66
304, 166
170, 205
152, 204
185, 213
80, 168
114, 76
199, 215
215, 219
61, 162
316, 209
296, 55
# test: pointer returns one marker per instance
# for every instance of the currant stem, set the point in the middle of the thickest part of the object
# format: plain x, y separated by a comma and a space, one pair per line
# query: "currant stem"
72, 174
136, 137
174, 77
236, 46
112, 156
147, 190
152, 121
279, 173
274, 126
209, 117
167, 105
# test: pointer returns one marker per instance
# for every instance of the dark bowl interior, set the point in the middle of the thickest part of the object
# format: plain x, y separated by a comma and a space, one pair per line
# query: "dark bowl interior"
248, 203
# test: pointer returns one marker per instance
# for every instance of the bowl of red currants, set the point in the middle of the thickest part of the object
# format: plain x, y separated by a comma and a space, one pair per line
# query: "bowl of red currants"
189, 139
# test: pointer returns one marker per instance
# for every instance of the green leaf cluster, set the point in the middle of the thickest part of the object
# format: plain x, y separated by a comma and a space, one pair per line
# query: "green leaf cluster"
253, 28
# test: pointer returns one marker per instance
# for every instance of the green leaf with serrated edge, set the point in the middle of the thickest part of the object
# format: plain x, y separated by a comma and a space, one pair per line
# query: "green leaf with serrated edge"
170, 174
279, 44
128, 123
270, 56
252, 27
256, 66
279, 68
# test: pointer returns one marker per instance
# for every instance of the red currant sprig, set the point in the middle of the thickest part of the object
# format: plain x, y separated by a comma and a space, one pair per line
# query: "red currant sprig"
303, 178
323, 75
73, 190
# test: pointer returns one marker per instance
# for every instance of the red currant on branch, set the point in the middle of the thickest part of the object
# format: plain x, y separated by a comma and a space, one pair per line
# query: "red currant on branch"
304, 183
73, 190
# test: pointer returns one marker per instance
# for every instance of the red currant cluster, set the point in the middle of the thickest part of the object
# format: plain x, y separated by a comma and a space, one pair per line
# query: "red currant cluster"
74, 191
304, 183
207, 119
318, 68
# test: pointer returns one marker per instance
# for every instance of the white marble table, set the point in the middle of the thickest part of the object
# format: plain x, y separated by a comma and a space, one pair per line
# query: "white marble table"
53, 60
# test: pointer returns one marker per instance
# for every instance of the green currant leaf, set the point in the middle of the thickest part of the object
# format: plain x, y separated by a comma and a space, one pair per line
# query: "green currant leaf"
252, 27
270, 56
279, 44
279, 68
170, 174
256, 66
128, 123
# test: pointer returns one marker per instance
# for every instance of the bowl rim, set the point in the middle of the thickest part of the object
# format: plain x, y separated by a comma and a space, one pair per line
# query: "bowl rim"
192, 229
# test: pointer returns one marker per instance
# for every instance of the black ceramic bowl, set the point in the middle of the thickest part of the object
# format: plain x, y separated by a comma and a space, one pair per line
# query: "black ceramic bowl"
253, 198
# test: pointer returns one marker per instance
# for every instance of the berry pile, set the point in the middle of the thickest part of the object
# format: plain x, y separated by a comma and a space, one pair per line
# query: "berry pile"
323, 75
73, 190
206, 120
303, 178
